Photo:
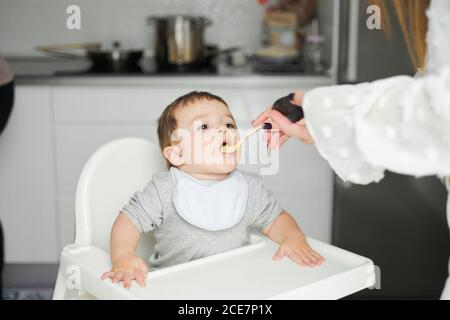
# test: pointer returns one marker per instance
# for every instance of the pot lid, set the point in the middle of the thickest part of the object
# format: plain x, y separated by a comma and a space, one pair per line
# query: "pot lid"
196, 20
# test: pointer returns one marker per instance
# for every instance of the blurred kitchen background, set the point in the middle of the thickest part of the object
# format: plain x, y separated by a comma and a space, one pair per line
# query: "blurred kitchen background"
78, 89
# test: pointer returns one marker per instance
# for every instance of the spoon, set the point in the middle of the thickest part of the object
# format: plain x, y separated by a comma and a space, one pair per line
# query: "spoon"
231, 149
284, 106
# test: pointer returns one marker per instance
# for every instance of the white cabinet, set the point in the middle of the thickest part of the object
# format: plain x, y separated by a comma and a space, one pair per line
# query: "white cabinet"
27, 180
302, 183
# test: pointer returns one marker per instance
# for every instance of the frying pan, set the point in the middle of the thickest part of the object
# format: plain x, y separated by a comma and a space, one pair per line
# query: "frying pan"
273, 55
108, 60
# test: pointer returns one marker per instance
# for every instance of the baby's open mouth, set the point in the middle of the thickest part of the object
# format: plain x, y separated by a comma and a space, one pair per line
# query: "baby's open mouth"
227, 147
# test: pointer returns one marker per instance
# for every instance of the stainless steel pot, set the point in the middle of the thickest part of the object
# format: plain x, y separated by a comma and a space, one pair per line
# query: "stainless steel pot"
179, 39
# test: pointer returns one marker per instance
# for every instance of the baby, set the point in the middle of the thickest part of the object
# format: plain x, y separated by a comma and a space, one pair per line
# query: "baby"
203, 205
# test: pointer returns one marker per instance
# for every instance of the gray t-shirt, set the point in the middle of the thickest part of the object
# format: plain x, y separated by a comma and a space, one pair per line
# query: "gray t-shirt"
178, 241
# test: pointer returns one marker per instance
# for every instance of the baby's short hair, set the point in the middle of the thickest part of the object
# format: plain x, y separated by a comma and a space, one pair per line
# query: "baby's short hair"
167, 122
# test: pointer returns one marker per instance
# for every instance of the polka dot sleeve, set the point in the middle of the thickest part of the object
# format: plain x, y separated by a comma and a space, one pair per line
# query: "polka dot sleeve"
401, 124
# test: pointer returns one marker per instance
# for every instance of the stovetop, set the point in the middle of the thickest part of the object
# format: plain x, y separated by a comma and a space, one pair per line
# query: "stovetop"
175, 70
50, 67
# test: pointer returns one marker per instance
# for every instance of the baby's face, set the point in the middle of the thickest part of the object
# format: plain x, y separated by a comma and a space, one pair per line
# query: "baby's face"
203, 128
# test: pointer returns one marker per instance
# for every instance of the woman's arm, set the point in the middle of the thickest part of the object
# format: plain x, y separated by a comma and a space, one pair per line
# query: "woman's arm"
401, 124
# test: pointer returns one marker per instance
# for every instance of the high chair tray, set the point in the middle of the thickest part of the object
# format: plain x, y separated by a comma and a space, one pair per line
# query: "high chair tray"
244, 273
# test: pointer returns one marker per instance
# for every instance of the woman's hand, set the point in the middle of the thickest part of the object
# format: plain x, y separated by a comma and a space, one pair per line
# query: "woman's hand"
282, 127
297, 248
127, 268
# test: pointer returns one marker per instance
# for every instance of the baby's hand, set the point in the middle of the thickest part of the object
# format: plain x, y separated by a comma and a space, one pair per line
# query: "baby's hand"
127, 268
297, 248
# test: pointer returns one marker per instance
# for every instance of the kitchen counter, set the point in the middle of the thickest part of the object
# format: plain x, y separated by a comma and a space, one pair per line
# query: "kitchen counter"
51, 71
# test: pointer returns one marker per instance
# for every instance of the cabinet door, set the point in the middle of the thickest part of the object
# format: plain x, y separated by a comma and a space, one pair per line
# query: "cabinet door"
27, 180
302, 183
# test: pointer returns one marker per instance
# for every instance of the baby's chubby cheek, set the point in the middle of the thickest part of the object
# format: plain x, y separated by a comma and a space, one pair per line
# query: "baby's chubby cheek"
197, 151
205, 148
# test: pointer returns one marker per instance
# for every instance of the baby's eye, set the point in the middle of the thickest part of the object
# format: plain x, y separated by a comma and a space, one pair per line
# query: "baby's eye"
231, 126
203, 127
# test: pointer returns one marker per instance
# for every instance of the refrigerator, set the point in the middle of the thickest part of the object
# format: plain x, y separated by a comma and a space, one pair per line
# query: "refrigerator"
400, 223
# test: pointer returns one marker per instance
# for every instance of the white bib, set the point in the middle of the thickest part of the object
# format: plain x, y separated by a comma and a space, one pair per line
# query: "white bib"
210, 205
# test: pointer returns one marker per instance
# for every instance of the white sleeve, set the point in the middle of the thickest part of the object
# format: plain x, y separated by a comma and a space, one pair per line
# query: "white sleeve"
401, 124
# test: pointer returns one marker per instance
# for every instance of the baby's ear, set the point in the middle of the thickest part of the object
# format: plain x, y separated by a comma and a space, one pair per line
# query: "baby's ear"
173, 155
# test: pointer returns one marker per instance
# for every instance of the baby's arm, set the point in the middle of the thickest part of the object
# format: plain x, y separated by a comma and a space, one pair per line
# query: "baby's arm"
285, 231
126, 265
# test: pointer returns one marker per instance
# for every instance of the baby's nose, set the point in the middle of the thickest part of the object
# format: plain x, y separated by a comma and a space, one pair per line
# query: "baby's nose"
221, 130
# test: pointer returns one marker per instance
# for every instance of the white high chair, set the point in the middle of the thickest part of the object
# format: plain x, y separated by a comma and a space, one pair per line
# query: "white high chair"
120, 168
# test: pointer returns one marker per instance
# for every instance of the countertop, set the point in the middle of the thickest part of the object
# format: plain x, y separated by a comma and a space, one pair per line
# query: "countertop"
53, 71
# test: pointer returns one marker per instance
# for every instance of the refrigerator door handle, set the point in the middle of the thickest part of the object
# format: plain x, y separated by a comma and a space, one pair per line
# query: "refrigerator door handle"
353, 41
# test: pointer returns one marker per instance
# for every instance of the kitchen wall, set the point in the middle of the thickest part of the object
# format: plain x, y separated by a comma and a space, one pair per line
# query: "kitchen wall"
25, 24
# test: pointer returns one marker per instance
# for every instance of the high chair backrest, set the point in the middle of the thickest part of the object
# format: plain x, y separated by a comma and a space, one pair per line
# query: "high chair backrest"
110, 177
